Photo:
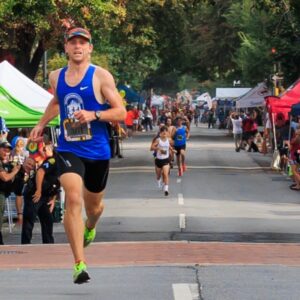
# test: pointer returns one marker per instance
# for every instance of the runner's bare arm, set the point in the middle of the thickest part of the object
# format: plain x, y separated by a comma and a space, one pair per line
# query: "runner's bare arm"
154, 145
187, 133
117, 112
51, 111
171, 141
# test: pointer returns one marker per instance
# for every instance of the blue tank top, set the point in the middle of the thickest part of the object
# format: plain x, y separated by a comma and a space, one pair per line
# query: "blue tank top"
89, 140
180, 136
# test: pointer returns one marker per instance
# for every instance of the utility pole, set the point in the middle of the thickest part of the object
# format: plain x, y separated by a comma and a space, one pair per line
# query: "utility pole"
278, 75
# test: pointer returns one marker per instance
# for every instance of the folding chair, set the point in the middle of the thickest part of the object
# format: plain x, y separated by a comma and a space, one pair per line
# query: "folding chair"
9, 214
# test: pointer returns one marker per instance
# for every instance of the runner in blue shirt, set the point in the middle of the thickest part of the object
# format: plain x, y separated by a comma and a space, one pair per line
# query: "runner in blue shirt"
86, 98
180, 137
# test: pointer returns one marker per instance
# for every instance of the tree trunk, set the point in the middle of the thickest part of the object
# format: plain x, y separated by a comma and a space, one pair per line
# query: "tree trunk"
35, 61
26, 41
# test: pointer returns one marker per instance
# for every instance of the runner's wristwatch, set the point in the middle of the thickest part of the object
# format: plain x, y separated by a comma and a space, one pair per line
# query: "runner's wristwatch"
98, 115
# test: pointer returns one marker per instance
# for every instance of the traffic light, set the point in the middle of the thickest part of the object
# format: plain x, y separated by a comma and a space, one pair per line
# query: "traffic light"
273, 50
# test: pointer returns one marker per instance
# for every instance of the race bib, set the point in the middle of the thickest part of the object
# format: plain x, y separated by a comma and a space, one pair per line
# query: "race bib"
74, 131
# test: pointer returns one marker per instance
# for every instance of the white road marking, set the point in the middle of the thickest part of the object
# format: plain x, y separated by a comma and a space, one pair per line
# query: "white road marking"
182, 222
180, 199
195, 291
182, 291
146, 168
178, 180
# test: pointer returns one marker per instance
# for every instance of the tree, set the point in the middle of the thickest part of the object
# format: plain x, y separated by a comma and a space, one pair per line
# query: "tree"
263, 25
29, 27
212, 41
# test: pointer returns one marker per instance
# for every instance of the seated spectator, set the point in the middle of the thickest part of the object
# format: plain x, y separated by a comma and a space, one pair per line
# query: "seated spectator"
282, 138
294, 160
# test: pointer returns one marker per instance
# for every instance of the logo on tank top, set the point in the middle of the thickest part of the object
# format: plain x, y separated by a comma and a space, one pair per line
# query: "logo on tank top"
74, 131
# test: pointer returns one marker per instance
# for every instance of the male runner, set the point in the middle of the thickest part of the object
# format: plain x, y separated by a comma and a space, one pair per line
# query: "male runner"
86, 97
180, 136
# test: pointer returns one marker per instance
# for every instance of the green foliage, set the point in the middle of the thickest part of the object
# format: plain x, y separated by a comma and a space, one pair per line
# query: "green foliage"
188, 82
29, 27
165, 44
263, 25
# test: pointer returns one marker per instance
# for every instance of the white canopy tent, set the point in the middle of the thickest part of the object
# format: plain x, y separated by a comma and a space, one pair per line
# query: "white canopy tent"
230, 93
255, 97
205, 97
22, 88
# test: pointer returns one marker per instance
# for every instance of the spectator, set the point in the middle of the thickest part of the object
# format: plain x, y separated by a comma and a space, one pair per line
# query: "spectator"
3, 130
129, 122
237, 130
18, 156
249, 129
283, 132
154, 114
7, 174
135, 119
294, 160
39, 197
148, 119
162, 119
211, 121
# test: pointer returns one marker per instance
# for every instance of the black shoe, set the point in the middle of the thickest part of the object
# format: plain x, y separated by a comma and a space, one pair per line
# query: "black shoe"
166, 193
80, 274
83, 277
120, 156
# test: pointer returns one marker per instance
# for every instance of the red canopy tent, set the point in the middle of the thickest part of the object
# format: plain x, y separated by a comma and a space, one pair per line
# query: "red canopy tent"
292, 92
279, 109
278, 106
282, 104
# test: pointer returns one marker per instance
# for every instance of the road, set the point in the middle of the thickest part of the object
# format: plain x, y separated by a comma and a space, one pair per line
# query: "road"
228, 230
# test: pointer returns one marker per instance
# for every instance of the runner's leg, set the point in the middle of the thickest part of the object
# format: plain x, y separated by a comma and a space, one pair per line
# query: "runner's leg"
94, 207
178, 158
165, 173
73, 221
158, 176
182, 154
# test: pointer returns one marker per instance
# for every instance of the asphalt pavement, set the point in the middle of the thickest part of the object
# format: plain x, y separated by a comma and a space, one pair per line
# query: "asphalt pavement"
228, 230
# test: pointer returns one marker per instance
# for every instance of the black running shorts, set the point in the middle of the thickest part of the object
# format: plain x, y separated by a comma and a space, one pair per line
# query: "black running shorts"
178, 148
94, 173
159, 163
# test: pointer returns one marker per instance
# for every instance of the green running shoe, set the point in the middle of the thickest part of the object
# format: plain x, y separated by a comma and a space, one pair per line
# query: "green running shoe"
80, 274
89, 236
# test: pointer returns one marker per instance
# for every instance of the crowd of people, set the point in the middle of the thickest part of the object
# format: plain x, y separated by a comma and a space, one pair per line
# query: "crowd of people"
29, 171
287, 148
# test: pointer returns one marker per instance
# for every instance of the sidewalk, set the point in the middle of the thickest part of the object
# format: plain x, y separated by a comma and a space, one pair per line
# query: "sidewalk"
57, 256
